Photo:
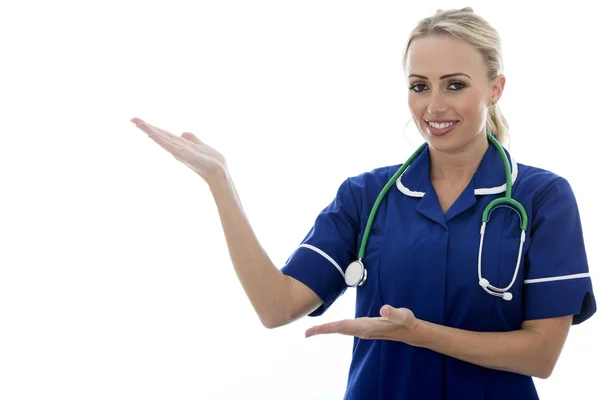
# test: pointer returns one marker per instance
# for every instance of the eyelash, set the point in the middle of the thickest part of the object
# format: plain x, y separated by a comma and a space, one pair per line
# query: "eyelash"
462, 86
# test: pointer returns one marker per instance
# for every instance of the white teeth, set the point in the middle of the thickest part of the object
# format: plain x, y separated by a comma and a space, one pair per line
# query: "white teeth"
440, 126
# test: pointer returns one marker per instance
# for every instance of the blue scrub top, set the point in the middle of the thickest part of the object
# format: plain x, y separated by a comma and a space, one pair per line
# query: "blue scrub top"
420, 258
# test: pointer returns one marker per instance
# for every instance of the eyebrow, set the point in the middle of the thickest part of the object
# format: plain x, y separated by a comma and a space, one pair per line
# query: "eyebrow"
441, 77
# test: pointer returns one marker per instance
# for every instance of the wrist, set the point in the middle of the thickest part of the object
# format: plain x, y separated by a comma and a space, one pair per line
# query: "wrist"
418, 334
219, 178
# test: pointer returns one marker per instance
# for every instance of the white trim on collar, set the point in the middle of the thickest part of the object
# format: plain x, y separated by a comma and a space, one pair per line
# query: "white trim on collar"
406, 190
501, 189
478, 191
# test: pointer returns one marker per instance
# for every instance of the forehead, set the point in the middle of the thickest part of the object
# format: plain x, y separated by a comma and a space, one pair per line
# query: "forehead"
434, 56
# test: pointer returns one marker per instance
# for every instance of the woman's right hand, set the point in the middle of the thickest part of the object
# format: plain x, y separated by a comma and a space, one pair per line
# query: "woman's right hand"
187, 148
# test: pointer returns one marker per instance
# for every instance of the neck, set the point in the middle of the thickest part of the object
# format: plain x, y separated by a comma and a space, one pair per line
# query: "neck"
459, 165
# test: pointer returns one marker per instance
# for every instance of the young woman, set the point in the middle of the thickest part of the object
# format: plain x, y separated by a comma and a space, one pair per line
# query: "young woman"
447, 307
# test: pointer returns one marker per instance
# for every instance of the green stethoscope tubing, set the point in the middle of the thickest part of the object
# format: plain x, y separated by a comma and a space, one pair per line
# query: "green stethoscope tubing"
507, 200
382, 194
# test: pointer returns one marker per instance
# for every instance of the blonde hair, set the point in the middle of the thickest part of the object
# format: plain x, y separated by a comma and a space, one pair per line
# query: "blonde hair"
472, 29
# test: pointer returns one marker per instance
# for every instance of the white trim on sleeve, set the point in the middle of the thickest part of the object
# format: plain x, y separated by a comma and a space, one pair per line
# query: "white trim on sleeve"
321, 252
557, 278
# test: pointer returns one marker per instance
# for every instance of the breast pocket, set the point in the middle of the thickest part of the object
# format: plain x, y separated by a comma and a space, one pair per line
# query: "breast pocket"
499, 261
507, 271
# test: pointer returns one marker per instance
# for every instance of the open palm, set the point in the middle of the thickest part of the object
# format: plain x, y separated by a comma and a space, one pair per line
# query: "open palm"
187, 148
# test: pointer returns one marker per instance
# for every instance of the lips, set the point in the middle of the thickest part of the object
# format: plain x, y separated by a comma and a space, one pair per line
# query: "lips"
440, 128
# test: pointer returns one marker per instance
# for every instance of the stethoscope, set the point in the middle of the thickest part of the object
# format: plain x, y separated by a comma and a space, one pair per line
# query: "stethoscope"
356, 273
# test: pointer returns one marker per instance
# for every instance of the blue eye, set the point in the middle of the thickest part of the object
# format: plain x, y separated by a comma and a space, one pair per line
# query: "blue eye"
454, 86
419, 86
460, 85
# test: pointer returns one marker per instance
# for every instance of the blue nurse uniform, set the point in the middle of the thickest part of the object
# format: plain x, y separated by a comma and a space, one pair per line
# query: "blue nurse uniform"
426, 260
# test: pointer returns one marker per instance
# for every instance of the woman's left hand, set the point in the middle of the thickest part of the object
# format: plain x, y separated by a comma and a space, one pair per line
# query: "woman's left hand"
394, 324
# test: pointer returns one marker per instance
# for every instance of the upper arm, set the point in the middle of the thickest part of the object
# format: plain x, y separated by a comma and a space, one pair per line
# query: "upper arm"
557, 288
317, 266
557, 280
302, 299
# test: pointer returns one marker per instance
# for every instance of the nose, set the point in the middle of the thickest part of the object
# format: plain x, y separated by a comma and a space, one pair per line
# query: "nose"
436, 104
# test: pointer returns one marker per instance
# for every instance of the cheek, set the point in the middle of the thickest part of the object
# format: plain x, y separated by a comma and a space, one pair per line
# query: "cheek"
417, 109
471, 110
416, 105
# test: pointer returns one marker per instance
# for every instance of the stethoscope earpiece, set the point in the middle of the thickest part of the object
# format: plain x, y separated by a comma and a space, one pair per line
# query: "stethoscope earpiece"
485, 284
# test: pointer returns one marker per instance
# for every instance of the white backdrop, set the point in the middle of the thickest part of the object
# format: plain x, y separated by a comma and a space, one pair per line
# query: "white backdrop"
115, 279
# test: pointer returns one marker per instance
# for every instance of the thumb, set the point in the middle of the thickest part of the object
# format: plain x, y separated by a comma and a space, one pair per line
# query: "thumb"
398, 315
191, 137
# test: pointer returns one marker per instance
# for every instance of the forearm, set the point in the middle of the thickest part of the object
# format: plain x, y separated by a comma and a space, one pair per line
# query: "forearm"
520, 351
264, 284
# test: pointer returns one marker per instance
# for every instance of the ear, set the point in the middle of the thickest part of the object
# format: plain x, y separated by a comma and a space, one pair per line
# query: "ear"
497, 88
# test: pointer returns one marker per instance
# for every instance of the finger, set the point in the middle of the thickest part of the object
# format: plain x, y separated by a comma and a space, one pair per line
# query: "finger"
177, 140
143, 125
173, 144
385, 311
344, 327
397, 315
310, 332
146, 127
162, 131
191, 137
167, 133
316, 330
176, 150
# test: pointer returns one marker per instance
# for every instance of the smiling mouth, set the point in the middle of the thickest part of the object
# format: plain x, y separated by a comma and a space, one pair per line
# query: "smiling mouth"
440, 128
441, 125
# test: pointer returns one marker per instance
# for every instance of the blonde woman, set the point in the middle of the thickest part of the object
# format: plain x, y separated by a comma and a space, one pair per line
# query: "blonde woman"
469, 267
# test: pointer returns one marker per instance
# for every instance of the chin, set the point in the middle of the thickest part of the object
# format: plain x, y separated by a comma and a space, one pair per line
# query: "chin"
440, 141
453, 142
450, 142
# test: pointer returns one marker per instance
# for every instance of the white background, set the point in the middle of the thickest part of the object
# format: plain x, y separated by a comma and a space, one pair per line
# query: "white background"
115, 278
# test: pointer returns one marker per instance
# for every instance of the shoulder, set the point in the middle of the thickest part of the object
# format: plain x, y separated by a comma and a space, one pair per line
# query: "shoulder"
374, 178
536, 178
541, 186
359, 191
372, 181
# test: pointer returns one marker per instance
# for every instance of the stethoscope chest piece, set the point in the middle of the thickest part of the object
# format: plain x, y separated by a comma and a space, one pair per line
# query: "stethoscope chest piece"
355, 274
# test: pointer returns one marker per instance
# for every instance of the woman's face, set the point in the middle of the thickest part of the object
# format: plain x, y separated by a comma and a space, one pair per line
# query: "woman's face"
449, 91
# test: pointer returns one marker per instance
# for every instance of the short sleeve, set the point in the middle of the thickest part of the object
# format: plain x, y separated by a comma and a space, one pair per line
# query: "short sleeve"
557, 279
321, 259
